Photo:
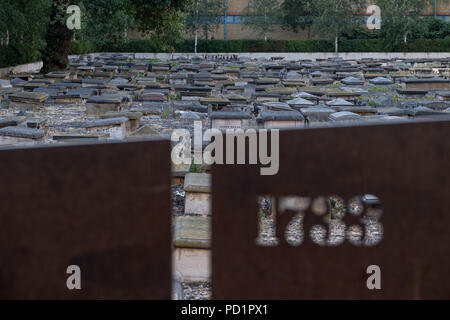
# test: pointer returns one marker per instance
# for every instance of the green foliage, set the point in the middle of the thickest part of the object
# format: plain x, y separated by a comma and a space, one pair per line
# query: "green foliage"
401, 21
297, 14
105, 22
332, 18
262, 16
82, 47
163, 20
205, 15
23, 24
236, 46
195, 168
432, 28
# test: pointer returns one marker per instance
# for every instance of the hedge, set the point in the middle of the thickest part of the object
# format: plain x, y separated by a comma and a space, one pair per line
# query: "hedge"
214, 46
18, 53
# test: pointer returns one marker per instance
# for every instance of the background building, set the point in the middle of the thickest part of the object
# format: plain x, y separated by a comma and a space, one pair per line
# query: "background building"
233, 28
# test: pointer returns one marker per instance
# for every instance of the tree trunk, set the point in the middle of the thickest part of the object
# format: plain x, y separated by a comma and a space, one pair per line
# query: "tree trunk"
336, 44
58, 38
196, 41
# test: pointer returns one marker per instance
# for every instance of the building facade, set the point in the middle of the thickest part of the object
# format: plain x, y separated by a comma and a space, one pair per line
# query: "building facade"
233, 28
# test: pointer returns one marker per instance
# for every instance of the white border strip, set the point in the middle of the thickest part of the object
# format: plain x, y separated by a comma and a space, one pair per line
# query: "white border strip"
295, 55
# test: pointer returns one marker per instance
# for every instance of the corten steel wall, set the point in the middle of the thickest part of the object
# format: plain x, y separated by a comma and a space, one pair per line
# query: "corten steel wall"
406, 165
105, 208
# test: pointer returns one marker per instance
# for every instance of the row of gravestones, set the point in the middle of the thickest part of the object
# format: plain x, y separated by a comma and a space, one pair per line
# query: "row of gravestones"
269, 94
94, 221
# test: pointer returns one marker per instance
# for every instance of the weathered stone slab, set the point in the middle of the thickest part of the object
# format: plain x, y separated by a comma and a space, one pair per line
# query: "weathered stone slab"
412, 92
133, 117
282, 116
4, 84
339, 102
427, 84
192, 232
276, 106
192, 264
198, 203
28, 97
197, 183
153, 96
194, 107
299, 102
49, 91
20, 132
151, 108
282, 119
443, 95
345, 116
107, 99
216, 101
105, 122
37, 123
317, 114
380, 81
281, 90
352, 81
321, 82
145, 131
84, 93
11, 121
115, 127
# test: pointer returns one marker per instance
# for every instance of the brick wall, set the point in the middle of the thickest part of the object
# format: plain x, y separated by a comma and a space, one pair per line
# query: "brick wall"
238, 31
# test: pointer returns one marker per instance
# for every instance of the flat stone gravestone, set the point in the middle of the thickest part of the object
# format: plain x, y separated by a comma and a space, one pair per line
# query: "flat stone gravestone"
20, 135
28, 97
412, 92
115, 127
299, 102
427, 84
380, 81
424, 111
194, 107
84, 93
317, 114
11, 121
103, 104
345, 116
88, 207
5, 84
352, 81
216, 101
192, 232
49, 91
230, 120
134, 118
37, 123
277, 106
190, 116
198, 193
443, 95
339, 102
304, 95
282, 119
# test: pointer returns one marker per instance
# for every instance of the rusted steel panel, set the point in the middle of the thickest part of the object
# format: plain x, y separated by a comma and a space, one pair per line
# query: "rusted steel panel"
405, 165
104, 208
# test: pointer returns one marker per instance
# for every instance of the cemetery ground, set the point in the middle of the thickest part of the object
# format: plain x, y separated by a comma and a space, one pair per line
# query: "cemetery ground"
114, 97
